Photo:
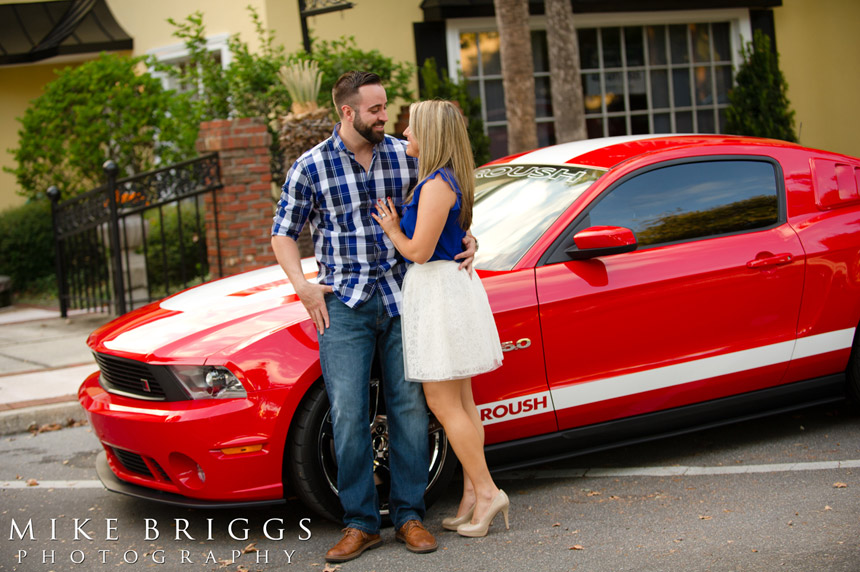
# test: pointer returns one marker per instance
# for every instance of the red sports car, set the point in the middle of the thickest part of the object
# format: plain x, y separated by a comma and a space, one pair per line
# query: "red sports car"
642, 286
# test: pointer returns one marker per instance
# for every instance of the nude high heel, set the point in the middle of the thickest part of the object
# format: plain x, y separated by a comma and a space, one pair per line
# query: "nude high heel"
452, 522
500, 504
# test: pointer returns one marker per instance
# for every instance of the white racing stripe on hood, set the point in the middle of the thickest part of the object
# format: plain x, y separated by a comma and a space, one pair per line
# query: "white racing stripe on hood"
205, 307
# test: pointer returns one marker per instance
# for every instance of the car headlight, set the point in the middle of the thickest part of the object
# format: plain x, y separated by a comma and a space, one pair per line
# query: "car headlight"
208, 381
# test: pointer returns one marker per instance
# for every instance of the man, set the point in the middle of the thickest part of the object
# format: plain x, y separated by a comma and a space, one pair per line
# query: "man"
354, 307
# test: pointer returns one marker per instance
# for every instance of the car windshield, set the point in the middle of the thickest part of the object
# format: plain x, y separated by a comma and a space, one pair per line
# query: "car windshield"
516, 204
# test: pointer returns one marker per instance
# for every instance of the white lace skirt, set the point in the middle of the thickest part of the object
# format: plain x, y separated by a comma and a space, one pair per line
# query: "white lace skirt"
448, 327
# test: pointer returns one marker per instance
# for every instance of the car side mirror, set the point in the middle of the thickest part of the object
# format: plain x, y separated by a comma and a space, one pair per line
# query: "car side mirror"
601, 241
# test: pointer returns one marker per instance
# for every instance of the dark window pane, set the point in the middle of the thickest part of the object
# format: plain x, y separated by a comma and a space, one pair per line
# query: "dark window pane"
704, 91
543, 97
722, 114
615, 92
589, 58
722, 45
659, 89
611, 47
662, 123
637, 90
724, 83
701, 42
684, 122
490, 58
678, 43
591, 92
469, 54
657, 45
540, 55
681, 87
617, 126
705, 121
498, 141
692, 200
494, 95
633, 47
474, 88
639, 125
546, 134
594, 125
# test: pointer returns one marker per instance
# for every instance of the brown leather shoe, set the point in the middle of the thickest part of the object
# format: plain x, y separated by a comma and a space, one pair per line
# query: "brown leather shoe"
353, 543
417, 538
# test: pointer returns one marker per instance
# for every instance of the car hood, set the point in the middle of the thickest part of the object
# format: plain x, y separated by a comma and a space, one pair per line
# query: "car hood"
219, 317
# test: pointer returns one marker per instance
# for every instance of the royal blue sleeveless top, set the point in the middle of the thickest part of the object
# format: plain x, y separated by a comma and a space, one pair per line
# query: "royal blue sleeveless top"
451, 241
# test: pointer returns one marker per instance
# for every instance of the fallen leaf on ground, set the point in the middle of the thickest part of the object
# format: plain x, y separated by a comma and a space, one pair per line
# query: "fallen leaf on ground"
705, 517
577, 547
250, 548
840, 486
32, 483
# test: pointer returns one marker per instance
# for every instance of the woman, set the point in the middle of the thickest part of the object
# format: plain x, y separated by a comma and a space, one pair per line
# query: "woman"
448, 330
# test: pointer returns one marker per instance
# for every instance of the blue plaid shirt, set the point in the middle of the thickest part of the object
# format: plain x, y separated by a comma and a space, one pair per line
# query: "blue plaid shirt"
329, 189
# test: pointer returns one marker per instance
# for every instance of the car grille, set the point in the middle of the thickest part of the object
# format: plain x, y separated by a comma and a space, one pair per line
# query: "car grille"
136, 464
137, 379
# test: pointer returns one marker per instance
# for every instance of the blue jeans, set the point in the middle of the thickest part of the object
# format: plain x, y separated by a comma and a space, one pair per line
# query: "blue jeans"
347, 349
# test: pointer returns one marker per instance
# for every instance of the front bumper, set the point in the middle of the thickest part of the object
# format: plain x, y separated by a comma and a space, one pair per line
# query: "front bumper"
220, 452
112, 483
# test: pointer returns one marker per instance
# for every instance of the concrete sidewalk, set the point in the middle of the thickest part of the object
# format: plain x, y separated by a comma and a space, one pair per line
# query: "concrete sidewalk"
43, 360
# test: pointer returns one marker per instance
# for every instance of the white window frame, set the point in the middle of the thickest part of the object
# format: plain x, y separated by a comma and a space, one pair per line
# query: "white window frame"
178, 53
738, 18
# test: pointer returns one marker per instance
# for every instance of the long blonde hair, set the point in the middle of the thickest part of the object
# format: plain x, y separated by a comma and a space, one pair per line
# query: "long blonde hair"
439, 128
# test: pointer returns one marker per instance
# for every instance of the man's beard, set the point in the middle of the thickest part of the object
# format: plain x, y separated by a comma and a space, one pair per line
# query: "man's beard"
367, 131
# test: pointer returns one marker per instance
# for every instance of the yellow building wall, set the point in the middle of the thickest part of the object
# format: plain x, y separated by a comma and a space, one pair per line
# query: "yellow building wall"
18, 86
819, 54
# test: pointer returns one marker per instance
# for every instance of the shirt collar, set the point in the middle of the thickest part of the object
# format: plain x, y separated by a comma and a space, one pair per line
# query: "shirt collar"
338, 143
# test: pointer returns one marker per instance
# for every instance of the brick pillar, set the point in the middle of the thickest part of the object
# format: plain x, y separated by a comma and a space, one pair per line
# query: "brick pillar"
244, 204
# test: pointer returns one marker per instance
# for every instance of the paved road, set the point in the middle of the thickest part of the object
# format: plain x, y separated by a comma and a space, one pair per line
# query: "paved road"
776, 494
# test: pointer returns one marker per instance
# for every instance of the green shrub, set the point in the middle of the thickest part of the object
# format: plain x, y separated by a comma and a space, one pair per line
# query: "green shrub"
106, 108
27, 245
759, 104
167, 253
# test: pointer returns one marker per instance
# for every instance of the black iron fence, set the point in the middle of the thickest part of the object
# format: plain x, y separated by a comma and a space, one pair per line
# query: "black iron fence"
136, 239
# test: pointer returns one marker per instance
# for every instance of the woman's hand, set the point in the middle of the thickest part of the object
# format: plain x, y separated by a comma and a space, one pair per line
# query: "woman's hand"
467, 257
387, 217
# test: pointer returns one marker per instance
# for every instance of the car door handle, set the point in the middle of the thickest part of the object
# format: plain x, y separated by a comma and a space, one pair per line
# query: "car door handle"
774, 260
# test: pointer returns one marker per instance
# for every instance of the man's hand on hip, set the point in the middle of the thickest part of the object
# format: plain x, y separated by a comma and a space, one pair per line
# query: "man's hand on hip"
313, 297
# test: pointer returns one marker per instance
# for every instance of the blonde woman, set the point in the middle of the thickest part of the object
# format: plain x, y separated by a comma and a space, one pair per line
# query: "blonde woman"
448, 330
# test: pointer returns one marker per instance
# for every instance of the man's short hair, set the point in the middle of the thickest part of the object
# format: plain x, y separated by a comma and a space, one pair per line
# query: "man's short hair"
346, 87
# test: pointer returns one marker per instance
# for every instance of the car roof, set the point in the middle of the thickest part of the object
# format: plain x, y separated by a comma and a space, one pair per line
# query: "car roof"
607, 152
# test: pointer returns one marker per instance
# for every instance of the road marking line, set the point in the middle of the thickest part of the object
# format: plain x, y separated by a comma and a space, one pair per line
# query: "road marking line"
42, 485
552, 474
674, 471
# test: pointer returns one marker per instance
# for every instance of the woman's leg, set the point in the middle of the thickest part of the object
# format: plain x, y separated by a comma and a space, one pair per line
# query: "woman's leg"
446, 401
468, 499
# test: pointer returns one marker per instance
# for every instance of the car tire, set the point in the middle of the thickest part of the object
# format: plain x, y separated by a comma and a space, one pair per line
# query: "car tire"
310, 468
852, 373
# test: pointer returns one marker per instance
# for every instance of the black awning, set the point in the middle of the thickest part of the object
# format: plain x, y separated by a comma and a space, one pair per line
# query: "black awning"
34, 31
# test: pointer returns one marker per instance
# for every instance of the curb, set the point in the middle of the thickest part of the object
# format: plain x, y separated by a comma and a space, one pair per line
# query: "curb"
20, 420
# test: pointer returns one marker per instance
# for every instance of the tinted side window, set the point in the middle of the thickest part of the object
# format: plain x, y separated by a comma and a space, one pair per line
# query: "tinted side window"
691, 200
